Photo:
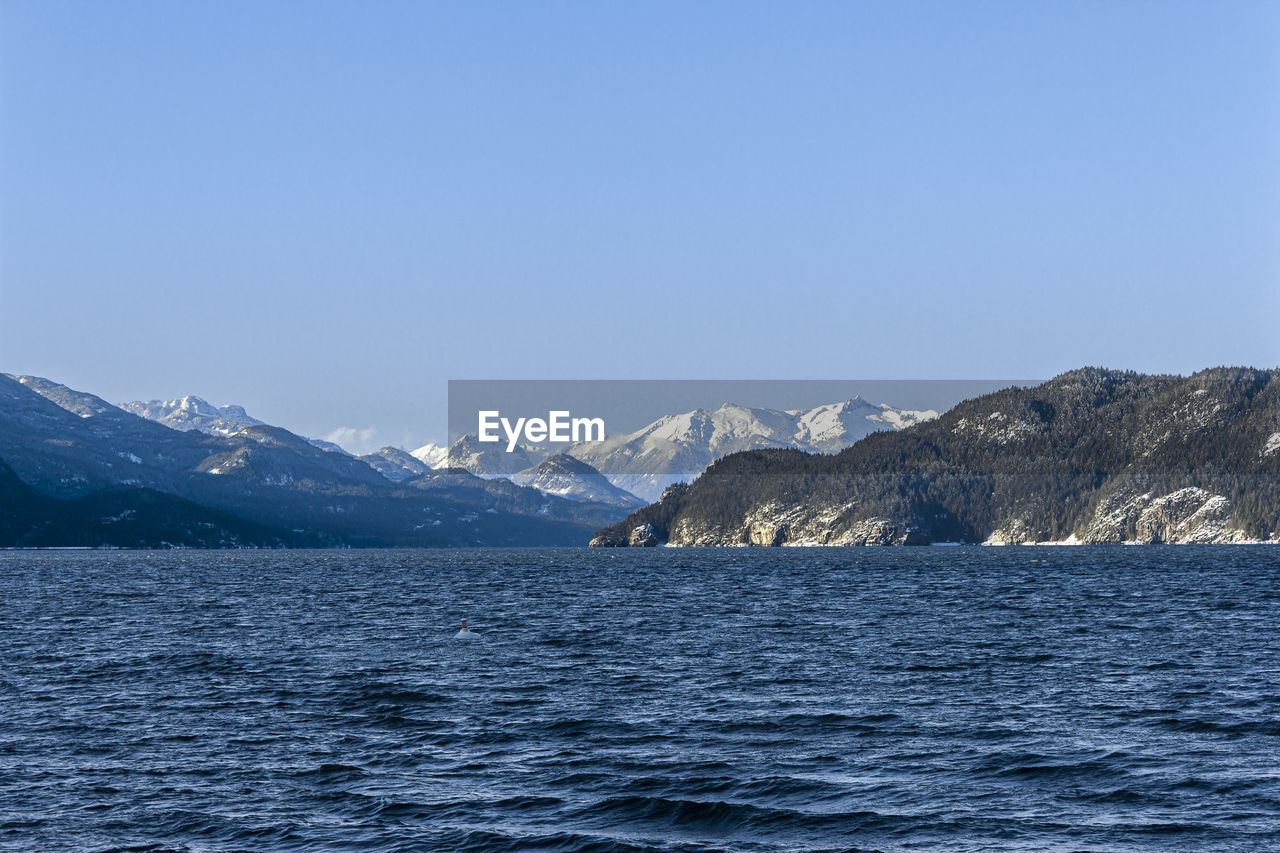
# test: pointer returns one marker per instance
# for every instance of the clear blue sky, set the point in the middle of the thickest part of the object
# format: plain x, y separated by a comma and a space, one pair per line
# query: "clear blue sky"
324, 210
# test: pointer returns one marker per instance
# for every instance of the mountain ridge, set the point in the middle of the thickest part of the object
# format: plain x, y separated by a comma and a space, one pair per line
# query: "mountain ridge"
193, 413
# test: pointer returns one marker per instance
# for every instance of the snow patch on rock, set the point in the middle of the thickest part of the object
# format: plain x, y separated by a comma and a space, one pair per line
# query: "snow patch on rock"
1189, 515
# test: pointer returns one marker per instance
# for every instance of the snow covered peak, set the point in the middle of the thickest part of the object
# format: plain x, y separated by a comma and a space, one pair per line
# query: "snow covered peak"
832, 427
432, 455
193, 413
194, 405
395, 464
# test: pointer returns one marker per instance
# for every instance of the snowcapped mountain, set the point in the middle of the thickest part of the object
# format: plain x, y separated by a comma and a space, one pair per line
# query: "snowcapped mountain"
193, 413
566, 477
679, 447
491, 459
834, 427
431, 455
395, 464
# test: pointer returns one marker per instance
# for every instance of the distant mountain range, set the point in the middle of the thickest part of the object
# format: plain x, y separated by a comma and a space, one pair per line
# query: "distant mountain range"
637, 466
255, 485
1093, 456
677, 448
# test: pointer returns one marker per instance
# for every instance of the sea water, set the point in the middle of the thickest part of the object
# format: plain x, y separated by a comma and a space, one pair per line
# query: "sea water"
952, 699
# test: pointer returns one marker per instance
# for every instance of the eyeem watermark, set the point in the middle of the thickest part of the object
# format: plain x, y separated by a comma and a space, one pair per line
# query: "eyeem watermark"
658, 429
557, 427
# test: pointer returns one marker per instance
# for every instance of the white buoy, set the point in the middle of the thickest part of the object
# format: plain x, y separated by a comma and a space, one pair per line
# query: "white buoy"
466, 633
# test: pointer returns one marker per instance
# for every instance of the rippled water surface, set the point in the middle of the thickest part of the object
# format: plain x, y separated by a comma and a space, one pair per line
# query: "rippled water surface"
786, 699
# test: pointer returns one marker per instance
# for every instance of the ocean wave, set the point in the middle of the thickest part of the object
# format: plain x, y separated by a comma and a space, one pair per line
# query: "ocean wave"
720, 815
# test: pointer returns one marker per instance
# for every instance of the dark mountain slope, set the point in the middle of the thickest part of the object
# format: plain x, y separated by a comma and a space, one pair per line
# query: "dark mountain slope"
124, 517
